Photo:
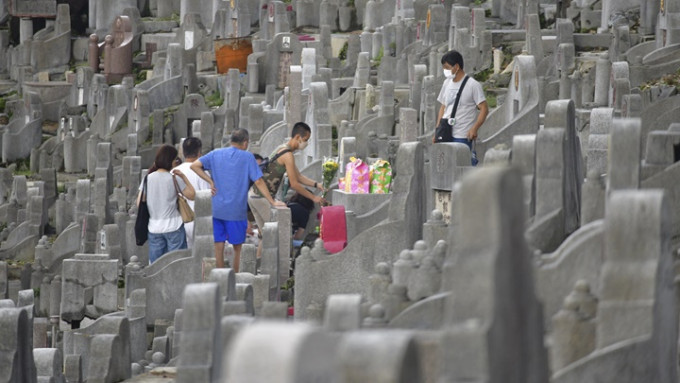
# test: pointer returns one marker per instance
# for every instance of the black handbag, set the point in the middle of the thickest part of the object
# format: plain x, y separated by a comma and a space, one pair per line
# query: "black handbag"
444, 131
142, 222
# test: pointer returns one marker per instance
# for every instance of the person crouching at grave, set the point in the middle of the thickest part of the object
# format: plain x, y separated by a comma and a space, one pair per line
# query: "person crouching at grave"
232, 170
463, 105
166, 228
300, 209
191, 147
284, 163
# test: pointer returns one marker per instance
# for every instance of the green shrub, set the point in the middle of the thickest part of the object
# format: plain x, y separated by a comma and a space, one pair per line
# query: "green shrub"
343, 52
214, 100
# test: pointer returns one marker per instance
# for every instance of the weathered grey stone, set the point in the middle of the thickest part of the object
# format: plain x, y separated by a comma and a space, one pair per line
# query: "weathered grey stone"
493, 267
109, 359
573, 335
79, 275
244, 292
248, 259
200, 344
637, 316
16, 363
49, 364
3, 280
343, 312
288, 353
274, 310
379, 356
73, 370
259, 285
226, 280
519, 112
625, 155
559, 176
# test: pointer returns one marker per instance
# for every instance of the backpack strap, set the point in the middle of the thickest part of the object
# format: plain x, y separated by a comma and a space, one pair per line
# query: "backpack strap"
460, 92
279, 154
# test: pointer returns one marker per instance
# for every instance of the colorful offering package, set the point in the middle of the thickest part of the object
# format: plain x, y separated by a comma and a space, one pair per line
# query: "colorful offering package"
381, 177
357, 177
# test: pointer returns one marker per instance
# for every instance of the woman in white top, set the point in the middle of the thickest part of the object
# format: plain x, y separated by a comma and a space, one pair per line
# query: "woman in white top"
166, 228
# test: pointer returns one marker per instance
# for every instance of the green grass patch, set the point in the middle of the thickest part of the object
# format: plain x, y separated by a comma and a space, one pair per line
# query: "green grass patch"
5, 98
23, 167
139, 75
214, 100
378, 59
483, 76
491, 100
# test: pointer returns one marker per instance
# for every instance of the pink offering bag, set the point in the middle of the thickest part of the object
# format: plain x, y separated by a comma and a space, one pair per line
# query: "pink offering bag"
357, 177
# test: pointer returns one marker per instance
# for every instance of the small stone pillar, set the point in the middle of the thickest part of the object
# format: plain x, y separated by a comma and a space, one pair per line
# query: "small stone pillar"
25, 29
574, 328
93, 53
108, 52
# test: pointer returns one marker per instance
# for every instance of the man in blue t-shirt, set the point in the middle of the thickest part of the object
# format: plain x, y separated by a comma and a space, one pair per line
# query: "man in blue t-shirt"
232, 169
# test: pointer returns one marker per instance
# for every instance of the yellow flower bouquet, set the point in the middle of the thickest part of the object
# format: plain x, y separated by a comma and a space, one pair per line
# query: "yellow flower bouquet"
329, 170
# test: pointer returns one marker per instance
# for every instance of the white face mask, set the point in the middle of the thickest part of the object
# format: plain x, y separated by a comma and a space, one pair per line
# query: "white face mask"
303, 145
447, 73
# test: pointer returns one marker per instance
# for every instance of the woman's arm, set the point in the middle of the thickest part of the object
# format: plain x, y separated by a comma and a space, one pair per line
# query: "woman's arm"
188, 190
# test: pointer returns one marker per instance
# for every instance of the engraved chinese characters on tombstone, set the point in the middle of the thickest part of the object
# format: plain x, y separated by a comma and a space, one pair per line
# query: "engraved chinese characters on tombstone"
33, 8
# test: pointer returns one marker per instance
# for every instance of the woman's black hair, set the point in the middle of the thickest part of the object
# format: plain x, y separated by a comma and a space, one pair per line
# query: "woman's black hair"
165, 156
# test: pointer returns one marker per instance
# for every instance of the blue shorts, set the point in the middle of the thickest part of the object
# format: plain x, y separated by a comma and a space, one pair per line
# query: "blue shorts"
232, 231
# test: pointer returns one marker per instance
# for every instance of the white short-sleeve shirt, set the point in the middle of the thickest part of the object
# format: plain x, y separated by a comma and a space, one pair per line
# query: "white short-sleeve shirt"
197, 182
161, 199
466, 114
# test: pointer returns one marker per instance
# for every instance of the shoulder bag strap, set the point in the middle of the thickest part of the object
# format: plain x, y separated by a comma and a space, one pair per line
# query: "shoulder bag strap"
144, 189
174, 180
460, 92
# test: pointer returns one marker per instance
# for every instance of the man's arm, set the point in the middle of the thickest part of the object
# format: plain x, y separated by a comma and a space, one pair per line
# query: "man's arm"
262, 187
308, 181
483, 112
197, 167
296, 179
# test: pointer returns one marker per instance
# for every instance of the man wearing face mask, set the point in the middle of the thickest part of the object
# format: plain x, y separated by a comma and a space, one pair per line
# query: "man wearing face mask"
463, 105
283, 164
